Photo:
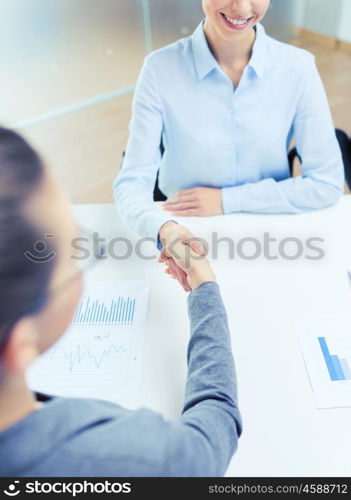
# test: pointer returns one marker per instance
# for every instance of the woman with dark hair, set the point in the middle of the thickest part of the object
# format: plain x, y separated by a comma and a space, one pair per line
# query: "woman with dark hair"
38, 297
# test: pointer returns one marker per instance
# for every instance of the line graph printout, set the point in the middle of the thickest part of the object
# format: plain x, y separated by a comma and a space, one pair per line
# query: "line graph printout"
326, 347
100, 355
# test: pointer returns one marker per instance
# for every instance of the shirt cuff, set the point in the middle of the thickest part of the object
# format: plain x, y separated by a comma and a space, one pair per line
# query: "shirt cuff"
149, 228
232, 199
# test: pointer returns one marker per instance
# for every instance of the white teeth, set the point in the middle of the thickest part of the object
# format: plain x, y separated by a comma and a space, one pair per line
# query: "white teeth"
236, 22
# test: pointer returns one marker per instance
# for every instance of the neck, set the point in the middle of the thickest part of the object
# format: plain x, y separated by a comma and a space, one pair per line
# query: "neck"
16, 401
230, 52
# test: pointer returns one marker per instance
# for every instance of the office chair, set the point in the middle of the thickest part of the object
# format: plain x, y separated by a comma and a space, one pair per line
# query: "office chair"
158, 195
345, 147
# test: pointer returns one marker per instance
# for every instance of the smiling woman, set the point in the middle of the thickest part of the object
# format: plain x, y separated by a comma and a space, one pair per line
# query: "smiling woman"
235, 15
226, 103
229, 32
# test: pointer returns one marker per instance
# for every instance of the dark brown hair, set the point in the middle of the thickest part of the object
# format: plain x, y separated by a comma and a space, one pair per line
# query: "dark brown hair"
23, 282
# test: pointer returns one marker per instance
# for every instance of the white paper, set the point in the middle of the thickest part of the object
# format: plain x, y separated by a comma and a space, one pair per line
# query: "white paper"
326, 347
100, 355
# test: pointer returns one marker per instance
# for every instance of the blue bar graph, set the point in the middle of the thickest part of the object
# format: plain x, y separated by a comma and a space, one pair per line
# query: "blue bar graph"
119, 311
338, 369
346, 369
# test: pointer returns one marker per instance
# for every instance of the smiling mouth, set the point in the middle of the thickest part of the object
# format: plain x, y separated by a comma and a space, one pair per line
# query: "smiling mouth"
236, 22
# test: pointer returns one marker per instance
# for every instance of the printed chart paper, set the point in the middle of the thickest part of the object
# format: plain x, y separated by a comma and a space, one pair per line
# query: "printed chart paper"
100, 355
326, 347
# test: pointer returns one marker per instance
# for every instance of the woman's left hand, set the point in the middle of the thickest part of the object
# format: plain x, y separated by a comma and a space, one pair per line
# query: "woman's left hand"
199, 201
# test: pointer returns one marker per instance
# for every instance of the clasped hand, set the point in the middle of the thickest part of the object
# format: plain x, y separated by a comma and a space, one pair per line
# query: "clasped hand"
184, 256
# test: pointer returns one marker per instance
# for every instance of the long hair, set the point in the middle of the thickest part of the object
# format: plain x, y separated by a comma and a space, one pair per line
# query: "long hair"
23, 282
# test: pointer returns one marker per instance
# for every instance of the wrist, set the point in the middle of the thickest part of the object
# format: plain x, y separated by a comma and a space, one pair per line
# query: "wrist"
198, 276
166, 228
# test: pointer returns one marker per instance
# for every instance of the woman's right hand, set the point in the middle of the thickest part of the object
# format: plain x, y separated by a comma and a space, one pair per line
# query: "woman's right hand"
184, 256
171, 232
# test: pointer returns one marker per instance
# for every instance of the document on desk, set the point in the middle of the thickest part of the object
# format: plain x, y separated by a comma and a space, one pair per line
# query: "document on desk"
100, 356
326, 348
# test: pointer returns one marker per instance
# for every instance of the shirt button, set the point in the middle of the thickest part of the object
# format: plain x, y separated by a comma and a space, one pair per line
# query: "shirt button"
231, 147
231, 110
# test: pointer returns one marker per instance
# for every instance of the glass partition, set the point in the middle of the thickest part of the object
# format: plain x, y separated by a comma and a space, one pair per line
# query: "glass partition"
56, 54
171, 19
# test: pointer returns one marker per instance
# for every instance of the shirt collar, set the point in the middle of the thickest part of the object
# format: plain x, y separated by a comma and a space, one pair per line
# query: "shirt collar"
205, 62
259, 51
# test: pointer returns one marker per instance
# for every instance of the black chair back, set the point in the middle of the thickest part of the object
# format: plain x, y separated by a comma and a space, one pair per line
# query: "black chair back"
345, 147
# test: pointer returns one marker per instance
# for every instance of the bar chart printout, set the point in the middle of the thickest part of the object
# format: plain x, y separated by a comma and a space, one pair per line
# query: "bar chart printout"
119, 311
100, 355
326, 347
338, 368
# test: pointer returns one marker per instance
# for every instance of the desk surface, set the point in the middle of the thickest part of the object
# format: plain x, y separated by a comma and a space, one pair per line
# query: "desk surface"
284, 432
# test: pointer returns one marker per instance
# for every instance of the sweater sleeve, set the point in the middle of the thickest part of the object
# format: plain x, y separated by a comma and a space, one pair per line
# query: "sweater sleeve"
204, 439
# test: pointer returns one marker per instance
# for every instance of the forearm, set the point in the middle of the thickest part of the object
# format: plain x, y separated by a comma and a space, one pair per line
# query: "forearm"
210, 362
202, 441
134, 200
211, 392
293, 195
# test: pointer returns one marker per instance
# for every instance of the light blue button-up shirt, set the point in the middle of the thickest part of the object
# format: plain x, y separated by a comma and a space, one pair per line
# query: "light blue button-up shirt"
234, 140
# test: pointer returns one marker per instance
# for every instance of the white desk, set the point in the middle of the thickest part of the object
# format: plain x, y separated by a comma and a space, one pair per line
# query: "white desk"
284, 432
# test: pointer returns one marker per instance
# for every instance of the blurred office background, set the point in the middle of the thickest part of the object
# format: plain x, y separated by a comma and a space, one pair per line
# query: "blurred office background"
69, 69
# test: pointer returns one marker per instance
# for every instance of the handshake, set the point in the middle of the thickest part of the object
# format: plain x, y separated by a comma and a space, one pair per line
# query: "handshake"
184, 257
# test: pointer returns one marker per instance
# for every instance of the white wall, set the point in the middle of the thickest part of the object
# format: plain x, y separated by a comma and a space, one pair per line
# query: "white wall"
280, 19
299, 13
327, 17
344, 31
323, 16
